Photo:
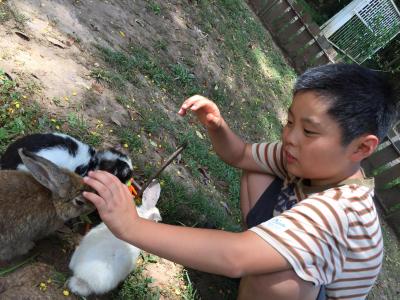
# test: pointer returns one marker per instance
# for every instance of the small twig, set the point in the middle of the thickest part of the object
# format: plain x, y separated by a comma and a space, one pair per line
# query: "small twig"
136, 185
166, 163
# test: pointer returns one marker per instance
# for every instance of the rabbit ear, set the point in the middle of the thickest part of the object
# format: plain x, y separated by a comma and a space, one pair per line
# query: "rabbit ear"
46, 173
151, 195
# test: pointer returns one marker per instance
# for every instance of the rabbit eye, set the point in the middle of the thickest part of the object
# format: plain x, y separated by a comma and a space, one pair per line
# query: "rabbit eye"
78, 202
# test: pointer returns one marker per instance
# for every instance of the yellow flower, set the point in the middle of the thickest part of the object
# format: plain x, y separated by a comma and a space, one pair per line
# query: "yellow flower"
42, 286
57, 127
74, 94
66, 293
53, 120
126, 145
17, 104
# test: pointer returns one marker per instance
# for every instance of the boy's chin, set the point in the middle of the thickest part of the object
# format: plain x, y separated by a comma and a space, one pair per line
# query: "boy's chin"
293, 170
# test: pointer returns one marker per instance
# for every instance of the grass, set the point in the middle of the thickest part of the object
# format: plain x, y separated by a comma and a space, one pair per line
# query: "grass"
154, 7
136, 286
5, 271
21, 115
9, 12
18, 115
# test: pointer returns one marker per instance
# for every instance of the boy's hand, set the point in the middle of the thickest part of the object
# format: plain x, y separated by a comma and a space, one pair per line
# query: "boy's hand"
113, 202
207, 111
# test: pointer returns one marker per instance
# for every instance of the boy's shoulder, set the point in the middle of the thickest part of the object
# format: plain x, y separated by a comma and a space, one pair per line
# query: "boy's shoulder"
349, 190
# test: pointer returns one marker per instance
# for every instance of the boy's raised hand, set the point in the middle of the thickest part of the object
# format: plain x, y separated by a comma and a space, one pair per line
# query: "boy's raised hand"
206, 111
113, 201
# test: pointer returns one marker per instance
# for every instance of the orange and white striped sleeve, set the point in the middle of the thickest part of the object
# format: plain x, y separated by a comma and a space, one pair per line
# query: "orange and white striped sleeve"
311, 236
269, 156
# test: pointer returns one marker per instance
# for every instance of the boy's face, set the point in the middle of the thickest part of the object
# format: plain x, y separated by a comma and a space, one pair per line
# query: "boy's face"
312, 142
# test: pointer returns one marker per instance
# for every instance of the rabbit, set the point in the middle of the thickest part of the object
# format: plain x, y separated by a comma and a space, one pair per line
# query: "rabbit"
68, 152
114, 162
102, 261
35, 204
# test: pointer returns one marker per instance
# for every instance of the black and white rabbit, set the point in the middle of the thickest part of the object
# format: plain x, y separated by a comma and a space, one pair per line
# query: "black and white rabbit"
102, 261
114, 162
67, 152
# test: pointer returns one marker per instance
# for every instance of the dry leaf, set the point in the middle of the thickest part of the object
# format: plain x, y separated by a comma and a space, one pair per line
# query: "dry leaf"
56, 42
115, 120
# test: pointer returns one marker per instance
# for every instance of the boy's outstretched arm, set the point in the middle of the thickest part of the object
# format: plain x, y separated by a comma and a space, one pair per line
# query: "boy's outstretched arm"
229, 147
214, 251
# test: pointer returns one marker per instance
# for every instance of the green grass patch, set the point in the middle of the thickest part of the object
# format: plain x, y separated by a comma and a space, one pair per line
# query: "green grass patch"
21, 115
18, 115
136, 286
129, 137
252, 55
197, 208
154, 7
5, 12
8, 12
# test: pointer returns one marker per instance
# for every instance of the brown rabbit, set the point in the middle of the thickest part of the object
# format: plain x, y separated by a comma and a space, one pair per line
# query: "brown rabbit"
35, 204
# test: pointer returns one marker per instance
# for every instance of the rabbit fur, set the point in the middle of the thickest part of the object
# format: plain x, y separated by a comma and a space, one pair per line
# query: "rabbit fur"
37, 203
67, 152
102, 261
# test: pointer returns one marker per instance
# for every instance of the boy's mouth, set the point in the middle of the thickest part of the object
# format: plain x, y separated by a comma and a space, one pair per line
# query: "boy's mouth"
289, 158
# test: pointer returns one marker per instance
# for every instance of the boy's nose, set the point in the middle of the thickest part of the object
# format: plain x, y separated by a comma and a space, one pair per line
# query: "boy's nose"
289, 136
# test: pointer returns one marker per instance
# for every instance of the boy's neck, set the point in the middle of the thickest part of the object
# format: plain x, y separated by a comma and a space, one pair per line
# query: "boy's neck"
353, 173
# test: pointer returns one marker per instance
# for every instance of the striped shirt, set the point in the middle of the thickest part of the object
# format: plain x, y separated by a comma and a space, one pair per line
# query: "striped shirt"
331, 236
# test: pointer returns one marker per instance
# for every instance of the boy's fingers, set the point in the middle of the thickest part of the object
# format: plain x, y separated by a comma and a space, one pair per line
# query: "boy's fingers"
214, 120
111, 183
95, 199
204, 103
192, 100
99, 186
104, 177
182, 111
187, 104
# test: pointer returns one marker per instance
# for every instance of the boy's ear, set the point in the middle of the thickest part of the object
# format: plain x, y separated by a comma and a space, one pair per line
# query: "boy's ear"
364, 146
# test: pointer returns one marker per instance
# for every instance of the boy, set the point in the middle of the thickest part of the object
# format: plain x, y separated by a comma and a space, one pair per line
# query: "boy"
311, 219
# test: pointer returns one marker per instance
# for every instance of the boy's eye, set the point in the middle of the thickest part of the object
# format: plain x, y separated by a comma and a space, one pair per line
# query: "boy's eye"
308, 132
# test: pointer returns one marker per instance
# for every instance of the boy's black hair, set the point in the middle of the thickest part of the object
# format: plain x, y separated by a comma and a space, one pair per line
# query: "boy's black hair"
361, 100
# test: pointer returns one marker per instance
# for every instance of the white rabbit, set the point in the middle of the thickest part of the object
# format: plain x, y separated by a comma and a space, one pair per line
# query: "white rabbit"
101, 261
